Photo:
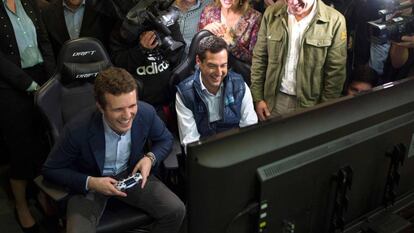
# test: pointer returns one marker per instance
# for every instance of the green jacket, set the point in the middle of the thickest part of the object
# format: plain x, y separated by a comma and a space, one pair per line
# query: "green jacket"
321, 68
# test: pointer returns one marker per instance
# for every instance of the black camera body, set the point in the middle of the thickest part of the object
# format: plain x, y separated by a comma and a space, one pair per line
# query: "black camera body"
152, 15
384, 30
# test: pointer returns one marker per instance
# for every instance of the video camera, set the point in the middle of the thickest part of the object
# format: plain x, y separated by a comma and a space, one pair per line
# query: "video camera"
156, 15
384, 29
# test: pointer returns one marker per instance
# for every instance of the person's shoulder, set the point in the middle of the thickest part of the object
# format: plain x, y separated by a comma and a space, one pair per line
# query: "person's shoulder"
274, 9
145, 115
253, 13
203, 3
234, 75
51, 7
145, 109
187, 83
330, 13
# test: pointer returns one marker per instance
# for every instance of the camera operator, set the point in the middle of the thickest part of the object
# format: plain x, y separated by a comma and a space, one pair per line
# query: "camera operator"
402, 57
393, 17
148, 61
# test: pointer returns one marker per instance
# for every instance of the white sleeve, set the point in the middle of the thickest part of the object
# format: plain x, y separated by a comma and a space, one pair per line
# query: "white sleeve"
248, 114
187, 127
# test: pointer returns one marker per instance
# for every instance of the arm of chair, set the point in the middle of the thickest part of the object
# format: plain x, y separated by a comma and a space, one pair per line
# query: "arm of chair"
171, 162
56, 192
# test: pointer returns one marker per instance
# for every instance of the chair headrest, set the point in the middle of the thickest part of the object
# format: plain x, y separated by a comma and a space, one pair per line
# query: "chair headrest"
187, 66
81, 59
81, 72
194, 44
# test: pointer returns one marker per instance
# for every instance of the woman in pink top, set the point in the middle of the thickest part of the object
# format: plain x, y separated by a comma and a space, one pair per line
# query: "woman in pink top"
236, 21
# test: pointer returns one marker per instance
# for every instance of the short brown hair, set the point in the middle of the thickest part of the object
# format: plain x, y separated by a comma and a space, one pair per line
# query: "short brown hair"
115, 81
241, 6
213, 44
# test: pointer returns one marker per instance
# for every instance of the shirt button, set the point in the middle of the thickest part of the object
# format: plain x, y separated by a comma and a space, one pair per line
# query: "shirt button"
12, 53
10, 45
7, 36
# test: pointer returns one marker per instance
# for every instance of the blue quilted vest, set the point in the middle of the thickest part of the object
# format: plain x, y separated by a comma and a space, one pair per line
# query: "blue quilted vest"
234, 89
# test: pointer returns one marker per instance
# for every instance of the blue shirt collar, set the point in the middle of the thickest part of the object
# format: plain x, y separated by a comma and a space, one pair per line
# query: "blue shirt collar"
109, 131
204, 89
68, 8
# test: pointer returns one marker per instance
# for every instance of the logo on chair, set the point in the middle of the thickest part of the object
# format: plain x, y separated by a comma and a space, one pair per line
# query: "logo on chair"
87, 75
83, 53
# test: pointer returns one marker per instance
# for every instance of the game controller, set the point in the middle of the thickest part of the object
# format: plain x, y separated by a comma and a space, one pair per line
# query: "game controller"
128, 182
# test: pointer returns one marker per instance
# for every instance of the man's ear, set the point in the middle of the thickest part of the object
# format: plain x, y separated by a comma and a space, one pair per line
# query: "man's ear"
198, 61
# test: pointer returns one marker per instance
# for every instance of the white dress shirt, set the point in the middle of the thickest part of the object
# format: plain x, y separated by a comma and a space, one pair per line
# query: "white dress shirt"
296, 31
187, 126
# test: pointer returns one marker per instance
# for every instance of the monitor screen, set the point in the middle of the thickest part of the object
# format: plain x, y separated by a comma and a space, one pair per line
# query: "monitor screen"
281, 175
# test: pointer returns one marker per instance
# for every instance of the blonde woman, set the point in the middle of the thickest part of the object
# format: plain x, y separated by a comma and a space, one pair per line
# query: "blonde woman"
236, 21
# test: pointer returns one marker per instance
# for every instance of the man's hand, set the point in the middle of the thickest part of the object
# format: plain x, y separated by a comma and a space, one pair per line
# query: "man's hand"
148, 40
104, 185
144, 166
262, 110
406, 41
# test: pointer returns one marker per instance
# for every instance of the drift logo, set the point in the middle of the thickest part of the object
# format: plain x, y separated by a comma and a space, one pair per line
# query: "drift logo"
84, 53
88, 75
153, 68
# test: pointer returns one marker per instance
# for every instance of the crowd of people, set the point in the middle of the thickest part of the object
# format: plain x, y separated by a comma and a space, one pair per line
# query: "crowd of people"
301, 52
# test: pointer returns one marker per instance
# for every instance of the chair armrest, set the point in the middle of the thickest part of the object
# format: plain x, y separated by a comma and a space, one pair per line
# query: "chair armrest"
56, 192
171, 162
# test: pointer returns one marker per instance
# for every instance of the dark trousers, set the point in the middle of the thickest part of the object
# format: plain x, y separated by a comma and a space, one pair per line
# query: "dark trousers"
84, 211
21, 129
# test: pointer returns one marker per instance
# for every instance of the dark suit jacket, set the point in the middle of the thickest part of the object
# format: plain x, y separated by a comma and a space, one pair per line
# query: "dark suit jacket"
95, 23
80, 152
11, 74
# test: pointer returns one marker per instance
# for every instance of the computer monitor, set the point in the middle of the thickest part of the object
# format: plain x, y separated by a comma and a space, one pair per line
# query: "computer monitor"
280, 175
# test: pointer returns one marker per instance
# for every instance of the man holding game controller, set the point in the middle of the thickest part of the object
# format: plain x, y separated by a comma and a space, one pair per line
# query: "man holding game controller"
104, 145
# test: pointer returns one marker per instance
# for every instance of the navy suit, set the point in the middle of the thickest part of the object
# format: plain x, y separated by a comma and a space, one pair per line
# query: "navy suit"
80, 152
95, 23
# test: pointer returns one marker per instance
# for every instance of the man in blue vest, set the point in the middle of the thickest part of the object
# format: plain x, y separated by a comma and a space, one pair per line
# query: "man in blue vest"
213, 99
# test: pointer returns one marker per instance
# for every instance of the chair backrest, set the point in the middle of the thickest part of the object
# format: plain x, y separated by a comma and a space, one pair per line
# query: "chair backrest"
71, 87
187, 66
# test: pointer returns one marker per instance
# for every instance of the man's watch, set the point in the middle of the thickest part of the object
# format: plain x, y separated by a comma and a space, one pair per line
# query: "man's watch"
151, 156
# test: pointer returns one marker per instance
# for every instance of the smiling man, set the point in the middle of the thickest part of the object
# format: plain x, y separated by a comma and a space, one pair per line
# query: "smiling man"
300, 57
101, 146
213, 99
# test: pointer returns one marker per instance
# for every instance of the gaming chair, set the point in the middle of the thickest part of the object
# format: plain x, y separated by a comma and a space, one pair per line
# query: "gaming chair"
69, 91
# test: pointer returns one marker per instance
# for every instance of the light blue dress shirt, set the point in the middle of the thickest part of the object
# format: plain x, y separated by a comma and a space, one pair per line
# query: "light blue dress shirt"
73, 19
117, 151
26, 37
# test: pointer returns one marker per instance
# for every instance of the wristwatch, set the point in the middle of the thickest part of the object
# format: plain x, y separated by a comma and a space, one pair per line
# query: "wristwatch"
151, 156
